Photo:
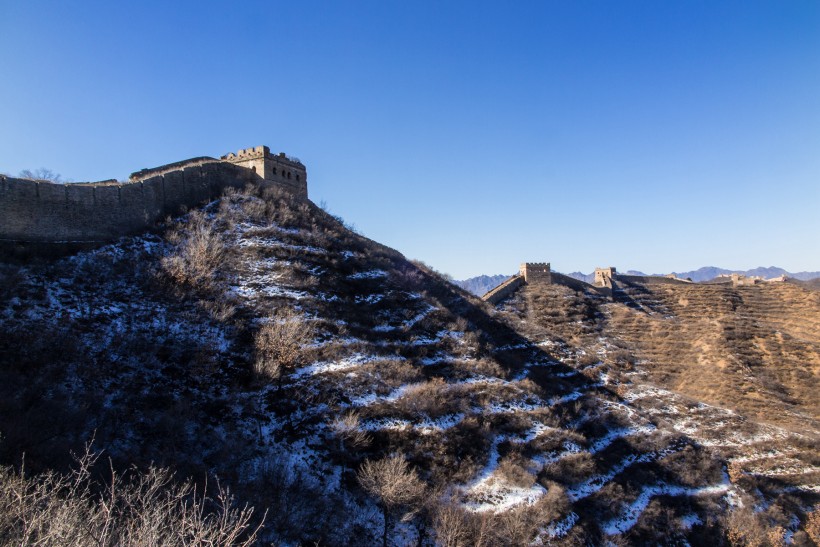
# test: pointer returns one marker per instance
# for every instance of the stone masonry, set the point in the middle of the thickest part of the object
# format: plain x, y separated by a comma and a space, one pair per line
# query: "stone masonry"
38, 211
281, 169
529, 272
536, 272
604, 277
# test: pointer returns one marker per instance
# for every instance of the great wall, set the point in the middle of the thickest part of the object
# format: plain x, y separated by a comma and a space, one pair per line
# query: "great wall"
606, 281
41, 212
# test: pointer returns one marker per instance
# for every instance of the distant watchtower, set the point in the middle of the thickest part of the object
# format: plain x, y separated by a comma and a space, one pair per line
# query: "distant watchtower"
604, 276
286, 171
536, 272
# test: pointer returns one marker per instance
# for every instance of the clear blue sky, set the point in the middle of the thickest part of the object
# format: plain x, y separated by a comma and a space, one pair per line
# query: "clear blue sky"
475, 135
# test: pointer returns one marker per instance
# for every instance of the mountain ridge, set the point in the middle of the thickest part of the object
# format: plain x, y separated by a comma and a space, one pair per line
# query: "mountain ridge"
481, 284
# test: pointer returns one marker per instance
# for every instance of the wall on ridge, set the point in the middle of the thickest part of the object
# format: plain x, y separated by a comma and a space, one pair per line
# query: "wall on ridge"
504, 290
651, 279
40, 211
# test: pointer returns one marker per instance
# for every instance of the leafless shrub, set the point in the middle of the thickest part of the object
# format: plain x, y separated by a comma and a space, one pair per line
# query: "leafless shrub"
514, 469
279, 344
220, 309
515, 526
587, 359
572, 468
349, 434
197, 252
148, 508
348, 429
451, 525
693, 467
483, 367
554, 504
742, 528
432, 399
395, 486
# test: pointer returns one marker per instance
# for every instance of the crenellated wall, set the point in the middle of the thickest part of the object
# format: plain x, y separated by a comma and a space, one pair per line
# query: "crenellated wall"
536, 272
280, 168
43, 212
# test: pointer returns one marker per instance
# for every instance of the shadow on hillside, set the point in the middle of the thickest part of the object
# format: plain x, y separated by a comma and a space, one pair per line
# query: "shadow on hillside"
511, 349
621, 296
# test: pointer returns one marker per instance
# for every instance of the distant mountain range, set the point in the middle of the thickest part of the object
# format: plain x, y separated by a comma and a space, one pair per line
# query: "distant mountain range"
483, 283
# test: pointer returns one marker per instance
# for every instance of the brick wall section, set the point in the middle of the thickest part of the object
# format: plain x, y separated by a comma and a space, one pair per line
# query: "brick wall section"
504, 290
651, 279
41, 211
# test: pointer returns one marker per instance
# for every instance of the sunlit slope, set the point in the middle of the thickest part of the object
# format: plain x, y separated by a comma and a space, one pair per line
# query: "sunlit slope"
755, 349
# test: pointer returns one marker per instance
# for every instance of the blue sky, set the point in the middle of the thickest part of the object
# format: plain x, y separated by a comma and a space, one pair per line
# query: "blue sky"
647, 135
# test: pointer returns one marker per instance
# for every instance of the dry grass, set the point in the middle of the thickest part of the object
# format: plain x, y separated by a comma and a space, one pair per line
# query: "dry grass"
753, 349
570, 469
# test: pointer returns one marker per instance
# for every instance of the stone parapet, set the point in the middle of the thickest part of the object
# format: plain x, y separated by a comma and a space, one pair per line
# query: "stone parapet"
42, 211
504, 290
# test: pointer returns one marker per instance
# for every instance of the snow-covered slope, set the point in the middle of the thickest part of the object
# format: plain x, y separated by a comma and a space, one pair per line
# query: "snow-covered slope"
151, 346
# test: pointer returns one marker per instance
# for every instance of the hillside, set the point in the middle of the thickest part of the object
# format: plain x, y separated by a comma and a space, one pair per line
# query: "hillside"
753, 348
735, 368
354, 397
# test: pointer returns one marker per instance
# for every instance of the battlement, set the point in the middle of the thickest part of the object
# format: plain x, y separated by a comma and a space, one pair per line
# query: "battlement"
248, 153
281, 169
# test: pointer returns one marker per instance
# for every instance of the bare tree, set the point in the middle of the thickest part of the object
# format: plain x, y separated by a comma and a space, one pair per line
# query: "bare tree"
149, 508
42, 174
280, 344
452, 526
396, 487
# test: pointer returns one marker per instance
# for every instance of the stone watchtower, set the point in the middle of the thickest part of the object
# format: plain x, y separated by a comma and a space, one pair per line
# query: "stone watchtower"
535, 272
604, 277
284, 170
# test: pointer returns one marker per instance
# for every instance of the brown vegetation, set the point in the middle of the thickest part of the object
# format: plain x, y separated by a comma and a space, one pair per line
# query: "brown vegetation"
143, 508
396, 487
279, 344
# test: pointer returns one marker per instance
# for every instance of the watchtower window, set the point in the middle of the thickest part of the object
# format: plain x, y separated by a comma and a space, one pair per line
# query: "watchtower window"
274, 170
297, 177
288, 174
